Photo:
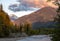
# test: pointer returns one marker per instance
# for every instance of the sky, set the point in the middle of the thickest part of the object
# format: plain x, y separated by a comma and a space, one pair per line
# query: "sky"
7, 3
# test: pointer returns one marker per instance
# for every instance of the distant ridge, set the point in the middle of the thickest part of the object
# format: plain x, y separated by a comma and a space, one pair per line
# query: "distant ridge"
13, 17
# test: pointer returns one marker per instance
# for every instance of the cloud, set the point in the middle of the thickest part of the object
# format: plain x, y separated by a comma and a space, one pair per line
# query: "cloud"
32, 3
23, 6
37, 3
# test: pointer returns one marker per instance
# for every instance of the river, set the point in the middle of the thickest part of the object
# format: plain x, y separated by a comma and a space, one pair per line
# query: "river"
37, 38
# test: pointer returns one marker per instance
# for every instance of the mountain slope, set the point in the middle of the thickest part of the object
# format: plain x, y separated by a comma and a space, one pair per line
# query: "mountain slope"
45, 14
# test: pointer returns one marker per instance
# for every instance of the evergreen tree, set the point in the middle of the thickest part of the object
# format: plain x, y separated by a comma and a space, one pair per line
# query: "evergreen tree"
56, 35
21, 28
27, 28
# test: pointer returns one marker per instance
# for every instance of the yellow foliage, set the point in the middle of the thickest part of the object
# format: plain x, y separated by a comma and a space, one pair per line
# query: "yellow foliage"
5, 18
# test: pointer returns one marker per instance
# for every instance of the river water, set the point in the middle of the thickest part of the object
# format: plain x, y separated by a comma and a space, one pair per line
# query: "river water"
37, 38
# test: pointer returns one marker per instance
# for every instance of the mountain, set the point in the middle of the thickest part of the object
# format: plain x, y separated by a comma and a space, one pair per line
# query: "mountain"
44, 15
13, 17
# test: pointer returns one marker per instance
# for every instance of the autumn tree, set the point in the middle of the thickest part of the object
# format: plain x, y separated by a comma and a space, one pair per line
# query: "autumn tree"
5, 23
